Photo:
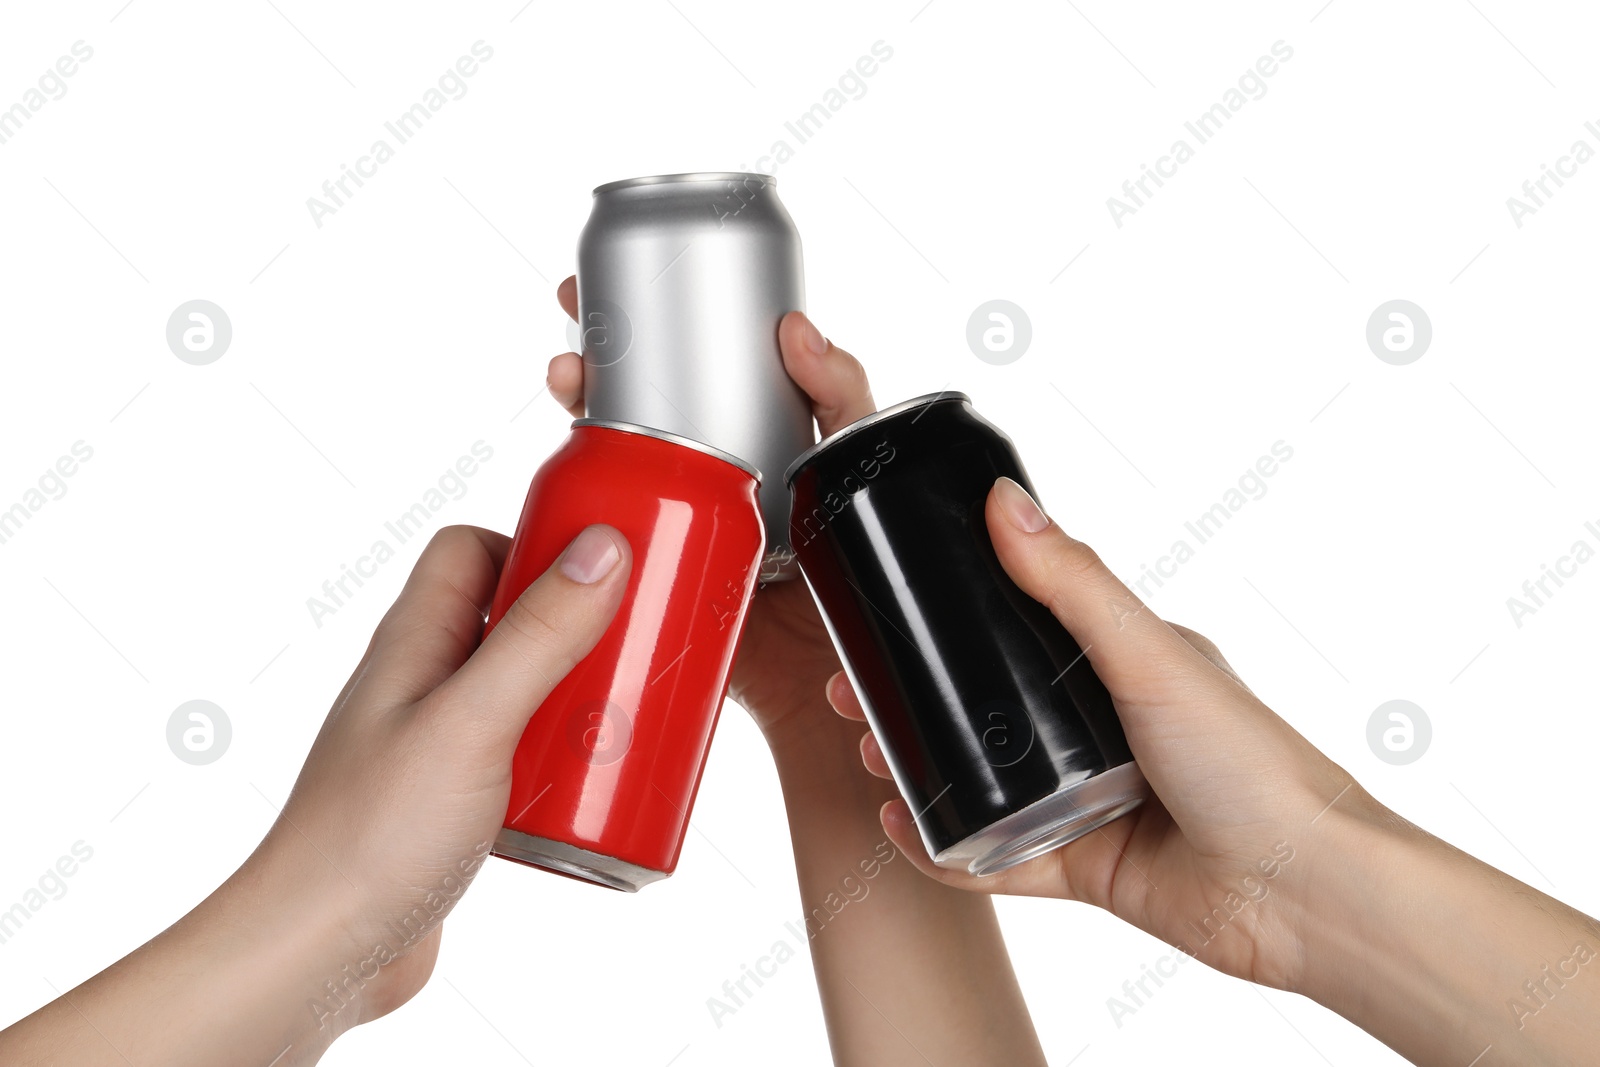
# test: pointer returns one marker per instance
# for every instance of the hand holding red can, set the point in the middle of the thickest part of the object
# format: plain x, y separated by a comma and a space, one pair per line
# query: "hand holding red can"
606, 772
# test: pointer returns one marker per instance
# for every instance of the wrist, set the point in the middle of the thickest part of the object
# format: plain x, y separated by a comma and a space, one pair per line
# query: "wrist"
1435, 953
233, 976
298, 926
817, 754
810, 735
1347, 899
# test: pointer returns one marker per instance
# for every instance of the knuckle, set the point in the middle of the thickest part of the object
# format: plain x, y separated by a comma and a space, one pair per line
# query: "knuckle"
1200, 641
1072, 579
531, 628
855, 374
451, 535
539, 640
1077, 561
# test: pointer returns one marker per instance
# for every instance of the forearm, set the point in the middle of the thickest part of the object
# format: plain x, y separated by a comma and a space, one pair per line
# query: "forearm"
229, 983
907, 968
1443, 957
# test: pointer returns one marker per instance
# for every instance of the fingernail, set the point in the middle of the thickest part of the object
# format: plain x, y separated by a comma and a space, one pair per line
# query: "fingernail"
590, 557
1019, 506
812, 336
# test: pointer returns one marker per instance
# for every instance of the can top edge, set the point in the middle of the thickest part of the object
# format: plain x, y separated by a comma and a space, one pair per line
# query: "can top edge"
869, 420
693, 176
671, 438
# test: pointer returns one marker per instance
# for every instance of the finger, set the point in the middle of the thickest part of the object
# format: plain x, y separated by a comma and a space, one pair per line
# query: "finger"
872, 757
543, 635
833, 378
1175, 704
406, 972
436, 621
565, 381
902, 831
567, 296
1075, 871
1142, 661
842, 698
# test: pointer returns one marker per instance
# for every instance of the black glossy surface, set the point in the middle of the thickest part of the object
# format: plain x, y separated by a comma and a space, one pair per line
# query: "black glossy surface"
982, 702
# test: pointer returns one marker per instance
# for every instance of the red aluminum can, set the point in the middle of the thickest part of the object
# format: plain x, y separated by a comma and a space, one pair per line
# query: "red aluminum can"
606, 773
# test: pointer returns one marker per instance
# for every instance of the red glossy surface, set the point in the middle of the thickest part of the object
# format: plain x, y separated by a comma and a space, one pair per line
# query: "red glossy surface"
610, 762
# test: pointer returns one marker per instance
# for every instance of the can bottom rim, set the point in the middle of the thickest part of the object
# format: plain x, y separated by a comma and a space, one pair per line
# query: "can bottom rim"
573, 861
780, 564
1062, 817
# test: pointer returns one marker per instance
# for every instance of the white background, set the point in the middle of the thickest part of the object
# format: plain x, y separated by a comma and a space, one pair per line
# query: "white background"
1227, 314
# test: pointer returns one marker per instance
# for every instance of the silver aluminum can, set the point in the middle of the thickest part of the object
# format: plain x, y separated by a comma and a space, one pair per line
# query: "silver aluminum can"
682, 280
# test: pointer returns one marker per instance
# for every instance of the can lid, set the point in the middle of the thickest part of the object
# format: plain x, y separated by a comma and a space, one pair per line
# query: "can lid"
695, 176
671, 438
869, 420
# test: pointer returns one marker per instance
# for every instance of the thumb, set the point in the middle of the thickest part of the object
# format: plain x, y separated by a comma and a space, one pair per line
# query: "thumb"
1204, 743
833, 378
1146, 664
555, 623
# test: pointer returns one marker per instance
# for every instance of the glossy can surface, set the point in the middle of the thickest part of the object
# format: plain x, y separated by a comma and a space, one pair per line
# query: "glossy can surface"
605, 775
1000, 736
682, 280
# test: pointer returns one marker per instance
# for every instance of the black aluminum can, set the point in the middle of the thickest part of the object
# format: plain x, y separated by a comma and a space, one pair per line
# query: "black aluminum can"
1000, 736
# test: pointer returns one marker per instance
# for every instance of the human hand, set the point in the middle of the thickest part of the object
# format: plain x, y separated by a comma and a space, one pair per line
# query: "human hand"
1263, 858
785, 655
408, 781
922, 947
334, 920
1239, 794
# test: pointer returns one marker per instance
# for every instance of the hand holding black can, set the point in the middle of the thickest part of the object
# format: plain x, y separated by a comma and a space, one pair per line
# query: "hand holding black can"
996, 729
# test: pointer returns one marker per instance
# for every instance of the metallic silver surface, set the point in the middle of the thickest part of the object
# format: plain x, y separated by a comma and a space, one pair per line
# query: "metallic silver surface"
865, 421
1046, 824
571, 860
677, 439
682, 280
